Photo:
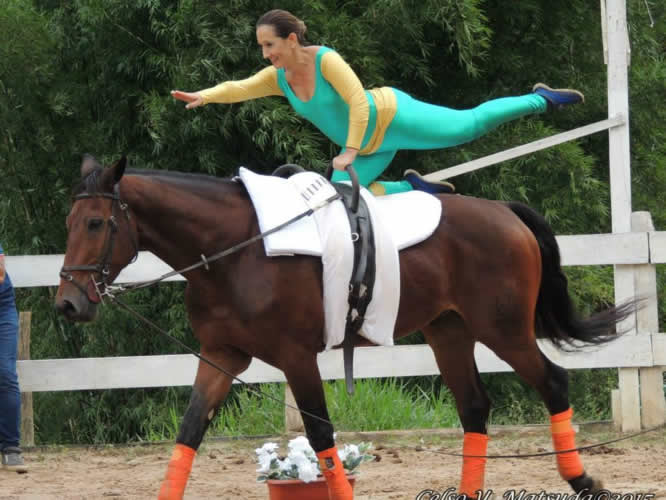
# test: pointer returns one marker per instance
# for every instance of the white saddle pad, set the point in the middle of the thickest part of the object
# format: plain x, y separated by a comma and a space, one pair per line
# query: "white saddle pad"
399, 221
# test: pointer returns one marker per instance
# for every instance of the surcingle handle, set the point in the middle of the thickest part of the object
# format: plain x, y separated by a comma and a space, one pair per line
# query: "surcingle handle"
356, 187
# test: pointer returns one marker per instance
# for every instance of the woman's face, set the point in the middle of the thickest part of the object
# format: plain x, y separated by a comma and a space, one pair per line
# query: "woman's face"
273, 48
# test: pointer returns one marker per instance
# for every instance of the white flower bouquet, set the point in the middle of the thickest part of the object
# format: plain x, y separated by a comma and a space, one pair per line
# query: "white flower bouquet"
301, 461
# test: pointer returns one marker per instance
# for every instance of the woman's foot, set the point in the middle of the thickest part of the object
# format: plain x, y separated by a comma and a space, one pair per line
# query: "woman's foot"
558, 98
432, 187
12, 460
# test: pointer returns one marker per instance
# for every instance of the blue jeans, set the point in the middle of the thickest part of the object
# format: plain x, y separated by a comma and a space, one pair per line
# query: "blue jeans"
10, 397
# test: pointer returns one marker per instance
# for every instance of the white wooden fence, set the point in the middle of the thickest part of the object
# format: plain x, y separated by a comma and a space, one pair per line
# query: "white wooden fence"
634, 248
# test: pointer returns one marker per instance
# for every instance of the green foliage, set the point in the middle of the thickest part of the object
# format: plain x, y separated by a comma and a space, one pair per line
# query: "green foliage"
514, 402
95, 75
119, 416
387, 404
30, 109
592, 288
245, 413
377, 404
383, 404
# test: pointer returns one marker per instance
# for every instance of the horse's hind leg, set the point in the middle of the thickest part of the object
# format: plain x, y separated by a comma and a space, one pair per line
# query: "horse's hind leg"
552, 383
454, 352
210, 388
305, 382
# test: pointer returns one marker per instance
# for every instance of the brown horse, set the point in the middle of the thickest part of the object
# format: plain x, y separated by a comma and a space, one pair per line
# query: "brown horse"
490, 273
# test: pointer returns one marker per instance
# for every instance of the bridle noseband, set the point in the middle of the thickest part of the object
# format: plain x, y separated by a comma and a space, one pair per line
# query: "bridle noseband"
102, 266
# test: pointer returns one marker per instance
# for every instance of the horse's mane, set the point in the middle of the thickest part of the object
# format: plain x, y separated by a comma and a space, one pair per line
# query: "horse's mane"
201, 185
171, 174
189, 181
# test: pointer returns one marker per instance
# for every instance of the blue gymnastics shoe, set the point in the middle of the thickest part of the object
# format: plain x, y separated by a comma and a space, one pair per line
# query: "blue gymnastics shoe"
558, 98
432, 187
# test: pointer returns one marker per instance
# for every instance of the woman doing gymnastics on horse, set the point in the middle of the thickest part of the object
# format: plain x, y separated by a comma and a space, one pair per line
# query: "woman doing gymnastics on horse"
369, 125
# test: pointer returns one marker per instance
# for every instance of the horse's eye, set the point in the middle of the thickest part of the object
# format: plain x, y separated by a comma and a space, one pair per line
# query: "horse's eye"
95, 224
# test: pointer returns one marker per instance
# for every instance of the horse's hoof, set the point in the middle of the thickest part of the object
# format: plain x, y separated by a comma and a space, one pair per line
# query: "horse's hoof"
585, 484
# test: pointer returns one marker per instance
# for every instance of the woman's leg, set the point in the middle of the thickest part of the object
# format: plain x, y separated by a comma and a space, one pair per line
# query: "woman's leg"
368, 168
419, 125
10, 398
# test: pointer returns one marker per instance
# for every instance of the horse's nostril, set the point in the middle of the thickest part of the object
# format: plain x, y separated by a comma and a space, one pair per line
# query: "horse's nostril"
66, 307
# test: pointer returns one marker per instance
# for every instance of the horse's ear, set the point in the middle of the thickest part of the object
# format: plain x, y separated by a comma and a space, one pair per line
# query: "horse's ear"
119, 169
112, 175
88, 164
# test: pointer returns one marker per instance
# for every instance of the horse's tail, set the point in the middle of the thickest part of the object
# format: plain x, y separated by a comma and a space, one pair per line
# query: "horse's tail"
556, 317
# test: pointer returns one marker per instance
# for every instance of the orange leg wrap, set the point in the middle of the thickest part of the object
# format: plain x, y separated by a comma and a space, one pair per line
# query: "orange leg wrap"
474, 469
564, 438
178, 472
334, 472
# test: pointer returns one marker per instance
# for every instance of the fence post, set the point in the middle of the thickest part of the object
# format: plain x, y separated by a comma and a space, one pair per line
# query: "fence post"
293, 422
653, 405
616, 409
620, 188
27, 417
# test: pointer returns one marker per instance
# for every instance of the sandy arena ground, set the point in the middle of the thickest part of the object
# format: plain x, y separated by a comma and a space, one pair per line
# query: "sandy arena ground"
225, 469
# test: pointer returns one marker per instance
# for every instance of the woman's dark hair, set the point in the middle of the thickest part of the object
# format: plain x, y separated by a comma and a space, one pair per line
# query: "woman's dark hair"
284, 23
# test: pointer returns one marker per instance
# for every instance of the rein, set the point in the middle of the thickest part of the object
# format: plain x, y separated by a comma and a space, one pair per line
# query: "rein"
104, 289
546, 453
113, 290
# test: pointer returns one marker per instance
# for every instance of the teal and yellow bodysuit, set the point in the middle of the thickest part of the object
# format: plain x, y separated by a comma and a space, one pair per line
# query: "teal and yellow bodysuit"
377, 122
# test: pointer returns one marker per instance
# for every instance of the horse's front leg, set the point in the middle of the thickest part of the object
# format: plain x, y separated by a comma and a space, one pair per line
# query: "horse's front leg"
305, 382
210, 388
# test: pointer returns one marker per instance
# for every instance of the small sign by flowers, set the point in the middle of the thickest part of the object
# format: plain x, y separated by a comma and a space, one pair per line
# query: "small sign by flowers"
301, 461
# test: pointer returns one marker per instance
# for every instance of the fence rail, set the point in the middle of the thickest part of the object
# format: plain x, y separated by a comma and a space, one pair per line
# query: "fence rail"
369, 362
577, 250
524, 149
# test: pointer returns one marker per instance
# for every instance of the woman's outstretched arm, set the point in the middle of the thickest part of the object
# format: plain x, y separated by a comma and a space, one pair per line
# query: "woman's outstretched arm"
262, 84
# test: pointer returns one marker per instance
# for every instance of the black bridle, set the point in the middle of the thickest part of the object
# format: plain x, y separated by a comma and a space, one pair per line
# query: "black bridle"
102, 266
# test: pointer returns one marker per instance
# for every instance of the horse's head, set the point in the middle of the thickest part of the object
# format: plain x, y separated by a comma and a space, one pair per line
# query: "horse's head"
102, 240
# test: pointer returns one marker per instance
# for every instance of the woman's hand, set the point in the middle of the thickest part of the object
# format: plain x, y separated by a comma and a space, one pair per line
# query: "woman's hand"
341, 161
193, 99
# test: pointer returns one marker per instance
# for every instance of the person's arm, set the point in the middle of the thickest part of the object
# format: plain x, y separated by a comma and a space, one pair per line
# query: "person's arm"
262, 84
2, 268
343, 79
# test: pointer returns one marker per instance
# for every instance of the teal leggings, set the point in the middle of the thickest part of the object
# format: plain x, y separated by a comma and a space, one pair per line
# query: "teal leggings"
419, 125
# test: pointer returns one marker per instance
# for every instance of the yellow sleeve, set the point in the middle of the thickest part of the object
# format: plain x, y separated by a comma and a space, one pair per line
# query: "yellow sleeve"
262, 84
343, 79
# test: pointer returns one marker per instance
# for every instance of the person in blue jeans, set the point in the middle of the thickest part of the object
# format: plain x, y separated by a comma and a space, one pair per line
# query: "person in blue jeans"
10, 397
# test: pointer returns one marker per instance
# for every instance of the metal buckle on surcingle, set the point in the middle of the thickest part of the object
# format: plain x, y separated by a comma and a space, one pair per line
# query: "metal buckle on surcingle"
205, 262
